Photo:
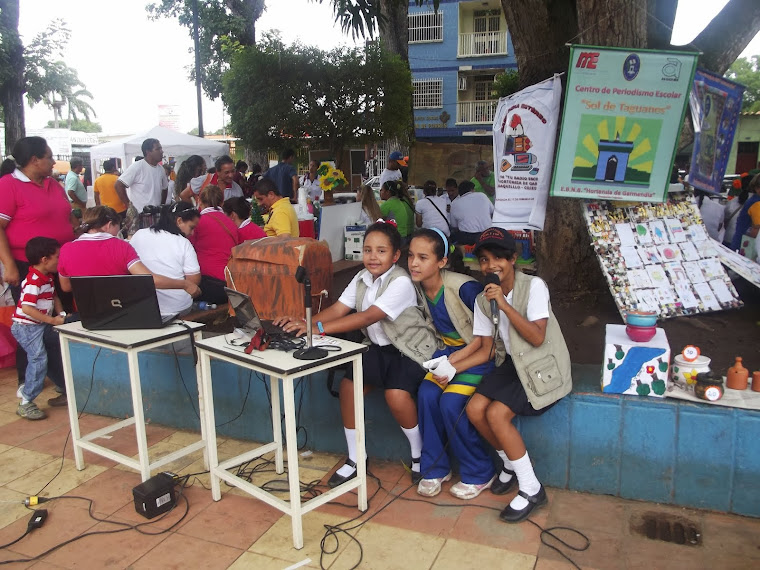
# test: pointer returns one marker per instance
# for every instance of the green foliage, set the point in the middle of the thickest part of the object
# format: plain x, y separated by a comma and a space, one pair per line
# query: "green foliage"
280, 96
747, 72
362, 17
223, 27
82, 125
506, 83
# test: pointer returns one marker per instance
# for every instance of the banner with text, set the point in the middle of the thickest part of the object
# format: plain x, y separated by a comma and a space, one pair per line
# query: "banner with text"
524, 131
622, 119
715, 106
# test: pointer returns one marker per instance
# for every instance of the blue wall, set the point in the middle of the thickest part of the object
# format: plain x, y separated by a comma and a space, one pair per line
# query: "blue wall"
665, 451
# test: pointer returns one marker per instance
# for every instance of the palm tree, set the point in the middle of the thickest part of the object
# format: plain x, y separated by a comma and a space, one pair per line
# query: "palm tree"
76, 104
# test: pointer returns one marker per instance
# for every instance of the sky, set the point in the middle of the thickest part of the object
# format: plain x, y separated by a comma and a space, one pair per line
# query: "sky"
129, 81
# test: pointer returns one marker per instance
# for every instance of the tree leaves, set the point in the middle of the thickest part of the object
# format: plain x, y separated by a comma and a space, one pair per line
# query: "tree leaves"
747, 72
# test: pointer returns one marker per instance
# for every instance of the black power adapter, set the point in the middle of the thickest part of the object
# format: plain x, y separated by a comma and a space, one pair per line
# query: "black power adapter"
157, 495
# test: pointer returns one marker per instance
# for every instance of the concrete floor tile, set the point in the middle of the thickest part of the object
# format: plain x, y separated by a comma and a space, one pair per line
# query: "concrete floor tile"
8, 554
18, 432
389, 548
9, 417
53, 442
18, 462
109, 491
179, 552
183, 438
277, 542
436, 516
251, 560
55, 483
192, 502
12, 506
459, 554
604, 551
234, 521
587, 512
731, 535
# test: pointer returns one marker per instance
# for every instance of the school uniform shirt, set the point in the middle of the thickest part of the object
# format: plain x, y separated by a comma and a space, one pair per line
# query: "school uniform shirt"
432, 218
144, 184
200, 182
282, 219
213, 240
399, 296
538, 308
32, 211
105, 186
249, 230
472, 212
171, 255
97, 255
37, 291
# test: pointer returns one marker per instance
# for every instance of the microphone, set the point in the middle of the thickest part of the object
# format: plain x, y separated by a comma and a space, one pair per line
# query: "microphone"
492, 278
310, 352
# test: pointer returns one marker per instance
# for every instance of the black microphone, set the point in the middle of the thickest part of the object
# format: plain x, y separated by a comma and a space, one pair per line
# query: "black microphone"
492, 278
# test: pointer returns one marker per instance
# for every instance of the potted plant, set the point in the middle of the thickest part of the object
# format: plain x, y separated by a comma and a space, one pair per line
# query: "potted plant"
330, 178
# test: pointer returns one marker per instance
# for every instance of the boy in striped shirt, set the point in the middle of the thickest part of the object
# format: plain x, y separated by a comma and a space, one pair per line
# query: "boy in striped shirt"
33, 324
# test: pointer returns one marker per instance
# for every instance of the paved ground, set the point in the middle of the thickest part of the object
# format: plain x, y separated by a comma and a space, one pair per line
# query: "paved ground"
241, 532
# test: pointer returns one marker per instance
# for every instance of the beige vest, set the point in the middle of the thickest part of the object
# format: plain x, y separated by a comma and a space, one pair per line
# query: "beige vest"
544, 371
411, 332
459, 313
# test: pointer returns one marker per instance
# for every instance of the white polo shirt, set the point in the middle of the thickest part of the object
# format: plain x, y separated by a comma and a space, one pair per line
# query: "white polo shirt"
472, 212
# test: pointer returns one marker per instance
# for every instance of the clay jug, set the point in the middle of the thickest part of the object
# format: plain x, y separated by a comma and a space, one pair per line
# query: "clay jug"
756, 381
737, 376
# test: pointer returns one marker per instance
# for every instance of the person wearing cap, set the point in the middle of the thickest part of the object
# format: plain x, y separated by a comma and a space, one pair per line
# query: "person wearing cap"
392, 171
484, 180
532, 366
470, 214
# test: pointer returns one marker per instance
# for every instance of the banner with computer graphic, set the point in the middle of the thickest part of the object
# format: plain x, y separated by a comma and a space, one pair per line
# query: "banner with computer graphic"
524, 133
621, 122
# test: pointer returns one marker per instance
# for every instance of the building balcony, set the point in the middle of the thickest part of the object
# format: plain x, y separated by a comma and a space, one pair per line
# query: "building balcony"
476, 112
482, 44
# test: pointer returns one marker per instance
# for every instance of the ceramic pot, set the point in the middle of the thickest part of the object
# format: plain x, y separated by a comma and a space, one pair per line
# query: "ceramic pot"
737, 376
684, 373
756, 381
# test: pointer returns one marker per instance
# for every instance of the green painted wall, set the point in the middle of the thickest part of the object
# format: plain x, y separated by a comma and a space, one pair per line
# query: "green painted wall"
747, 131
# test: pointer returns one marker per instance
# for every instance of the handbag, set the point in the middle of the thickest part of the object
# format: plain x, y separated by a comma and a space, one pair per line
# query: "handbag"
445, 219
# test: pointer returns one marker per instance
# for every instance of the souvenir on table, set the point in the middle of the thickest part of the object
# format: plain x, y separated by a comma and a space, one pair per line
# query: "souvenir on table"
688, 251
625, 233
659, 235
707, 296
630, 256
694, 272
675, 230
638, 368
642, 234
669, 252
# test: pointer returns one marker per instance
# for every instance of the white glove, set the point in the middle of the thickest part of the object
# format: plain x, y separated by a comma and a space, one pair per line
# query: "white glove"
441, 367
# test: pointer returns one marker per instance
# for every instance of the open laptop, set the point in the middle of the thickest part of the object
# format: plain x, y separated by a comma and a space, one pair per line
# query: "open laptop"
246, 316
118, 302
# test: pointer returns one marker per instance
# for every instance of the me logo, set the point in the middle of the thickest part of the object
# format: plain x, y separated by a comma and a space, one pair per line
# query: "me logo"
631, 67
587, 59
671, 71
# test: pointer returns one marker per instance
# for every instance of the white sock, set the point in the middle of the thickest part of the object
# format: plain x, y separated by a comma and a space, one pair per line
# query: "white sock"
24, 401
347, 470
415, 443
505, 477
526, 480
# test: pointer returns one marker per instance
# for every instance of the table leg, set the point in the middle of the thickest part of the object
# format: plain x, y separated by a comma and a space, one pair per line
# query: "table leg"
139, 414
204, 382
293, 475
276, 423
201, 401
361, 452
68, 377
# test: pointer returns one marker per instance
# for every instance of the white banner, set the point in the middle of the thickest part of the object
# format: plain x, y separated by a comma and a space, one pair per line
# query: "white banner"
524, 131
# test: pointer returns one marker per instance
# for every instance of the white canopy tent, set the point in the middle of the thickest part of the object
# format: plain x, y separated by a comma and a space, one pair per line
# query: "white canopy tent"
175, 144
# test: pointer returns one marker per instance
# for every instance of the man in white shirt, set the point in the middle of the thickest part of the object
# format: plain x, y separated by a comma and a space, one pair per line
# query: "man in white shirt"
393, 170
430, 211
471, 214
144, 183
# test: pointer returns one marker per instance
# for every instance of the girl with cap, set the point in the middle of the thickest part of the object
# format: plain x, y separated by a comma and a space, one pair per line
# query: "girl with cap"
454, 372
532, 366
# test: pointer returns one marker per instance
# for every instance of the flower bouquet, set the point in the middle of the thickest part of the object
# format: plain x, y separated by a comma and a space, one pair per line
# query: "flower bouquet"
330, 178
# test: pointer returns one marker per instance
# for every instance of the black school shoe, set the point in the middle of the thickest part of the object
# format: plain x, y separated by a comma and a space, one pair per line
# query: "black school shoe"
336, 479
499, 488
511, 515
416, 475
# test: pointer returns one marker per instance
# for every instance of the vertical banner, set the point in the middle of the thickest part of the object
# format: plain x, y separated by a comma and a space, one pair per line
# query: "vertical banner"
622, 118
715, 106
524, 131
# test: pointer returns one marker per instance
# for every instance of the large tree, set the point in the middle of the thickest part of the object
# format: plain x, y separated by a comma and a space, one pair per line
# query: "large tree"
747, 72
224, 25
280, 95
539, 30
11, 73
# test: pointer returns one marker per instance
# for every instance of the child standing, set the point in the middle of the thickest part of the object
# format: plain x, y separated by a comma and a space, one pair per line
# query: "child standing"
450, 301
33, 324
400, 340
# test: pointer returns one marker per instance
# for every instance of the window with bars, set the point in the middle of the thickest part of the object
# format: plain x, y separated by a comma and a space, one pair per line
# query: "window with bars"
425, 27
483, 87
486, 21
428, 93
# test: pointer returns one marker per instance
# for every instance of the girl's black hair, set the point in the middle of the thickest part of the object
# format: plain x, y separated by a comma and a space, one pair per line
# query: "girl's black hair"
435, 239
387, 229
497, 251
239, 205
167, 222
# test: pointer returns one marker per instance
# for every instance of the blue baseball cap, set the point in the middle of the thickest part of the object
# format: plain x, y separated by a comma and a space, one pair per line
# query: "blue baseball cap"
395, 155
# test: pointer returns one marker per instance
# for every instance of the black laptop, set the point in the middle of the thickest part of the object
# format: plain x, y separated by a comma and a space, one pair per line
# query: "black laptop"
246, 316
118, 302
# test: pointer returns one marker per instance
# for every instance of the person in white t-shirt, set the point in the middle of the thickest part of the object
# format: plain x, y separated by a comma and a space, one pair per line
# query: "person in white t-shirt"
471, 214
393, 170
165, 250
430, 212
144, 183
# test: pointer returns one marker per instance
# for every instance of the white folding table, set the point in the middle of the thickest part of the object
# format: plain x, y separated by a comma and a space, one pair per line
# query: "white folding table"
280, 365
132, 343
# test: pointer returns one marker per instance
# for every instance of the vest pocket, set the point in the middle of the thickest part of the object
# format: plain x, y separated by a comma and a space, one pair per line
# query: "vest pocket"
544, 375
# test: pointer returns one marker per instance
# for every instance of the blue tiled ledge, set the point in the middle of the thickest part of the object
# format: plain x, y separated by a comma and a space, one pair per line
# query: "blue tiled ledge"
665, 451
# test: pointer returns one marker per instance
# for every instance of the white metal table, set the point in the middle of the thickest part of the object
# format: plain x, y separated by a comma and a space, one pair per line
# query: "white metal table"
132, 343
282, 366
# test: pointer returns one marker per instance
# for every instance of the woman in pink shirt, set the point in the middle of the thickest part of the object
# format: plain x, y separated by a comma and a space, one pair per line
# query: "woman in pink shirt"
213, 239
239, 211
99, 253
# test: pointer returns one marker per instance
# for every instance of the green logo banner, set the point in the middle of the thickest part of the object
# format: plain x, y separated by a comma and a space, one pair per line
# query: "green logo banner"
621, 122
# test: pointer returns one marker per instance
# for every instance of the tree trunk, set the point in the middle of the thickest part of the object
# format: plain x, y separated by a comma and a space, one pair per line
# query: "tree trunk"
394, 37
12, 90
725, 38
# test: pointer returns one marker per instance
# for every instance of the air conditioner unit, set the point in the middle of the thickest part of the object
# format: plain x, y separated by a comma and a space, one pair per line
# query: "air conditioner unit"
462, 83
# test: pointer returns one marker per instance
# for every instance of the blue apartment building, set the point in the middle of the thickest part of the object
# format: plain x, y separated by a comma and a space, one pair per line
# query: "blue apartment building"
454, 56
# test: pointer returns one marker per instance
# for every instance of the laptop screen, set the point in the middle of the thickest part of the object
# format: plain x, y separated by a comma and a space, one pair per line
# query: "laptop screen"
117, 302
245, 314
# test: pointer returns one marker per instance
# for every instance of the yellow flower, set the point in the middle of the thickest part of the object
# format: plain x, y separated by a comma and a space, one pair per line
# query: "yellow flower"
324, 184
